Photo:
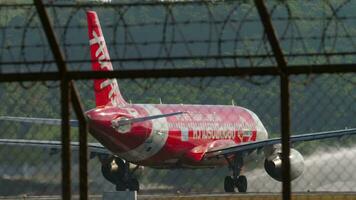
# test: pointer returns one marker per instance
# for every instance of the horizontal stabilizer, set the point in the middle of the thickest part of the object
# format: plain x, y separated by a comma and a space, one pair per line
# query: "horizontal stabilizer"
30, 120
52, 145
75, 123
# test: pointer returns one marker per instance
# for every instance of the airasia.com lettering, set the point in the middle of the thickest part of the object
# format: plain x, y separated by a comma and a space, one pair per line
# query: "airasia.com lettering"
213, 134
103, 57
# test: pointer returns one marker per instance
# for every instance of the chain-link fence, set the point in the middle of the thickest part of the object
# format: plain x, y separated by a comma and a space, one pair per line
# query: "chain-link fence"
182, 52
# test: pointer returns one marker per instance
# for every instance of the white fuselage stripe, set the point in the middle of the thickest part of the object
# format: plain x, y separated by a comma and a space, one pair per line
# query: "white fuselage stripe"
155, 141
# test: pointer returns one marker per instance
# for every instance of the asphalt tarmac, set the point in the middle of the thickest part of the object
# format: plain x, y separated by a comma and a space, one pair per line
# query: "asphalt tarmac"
255, 196
218, 196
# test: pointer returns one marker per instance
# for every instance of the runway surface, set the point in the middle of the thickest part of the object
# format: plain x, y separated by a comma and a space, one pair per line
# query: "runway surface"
255, 196
247, 196
331, 170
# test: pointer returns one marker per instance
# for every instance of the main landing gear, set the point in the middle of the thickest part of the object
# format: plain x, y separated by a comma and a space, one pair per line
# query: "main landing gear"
236, 180
117, 171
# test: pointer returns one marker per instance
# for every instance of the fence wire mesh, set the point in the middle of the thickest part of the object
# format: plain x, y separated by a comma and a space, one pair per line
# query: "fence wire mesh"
155, 35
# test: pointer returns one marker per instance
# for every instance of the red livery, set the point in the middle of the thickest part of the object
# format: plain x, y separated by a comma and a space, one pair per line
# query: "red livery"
179, 137
171, 136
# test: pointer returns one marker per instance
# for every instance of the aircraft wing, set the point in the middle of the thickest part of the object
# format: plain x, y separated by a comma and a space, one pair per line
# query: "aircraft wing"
75, 123
250, 146
94, 148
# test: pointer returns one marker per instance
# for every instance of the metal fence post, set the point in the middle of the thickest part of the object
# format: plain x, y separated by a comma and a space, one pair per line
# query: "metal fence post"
83, 145
65, 99
284, 92
67, 90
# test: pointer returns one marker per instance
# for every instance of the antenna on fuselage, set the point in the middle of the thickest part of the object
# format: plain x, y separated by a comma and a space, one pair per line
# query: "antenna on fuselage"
232, 102
130, 101
160, 100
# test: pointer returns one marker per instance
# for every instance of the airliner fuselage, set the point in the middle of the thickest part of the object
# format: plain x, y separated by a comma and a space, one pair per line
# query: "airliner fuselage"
175, 141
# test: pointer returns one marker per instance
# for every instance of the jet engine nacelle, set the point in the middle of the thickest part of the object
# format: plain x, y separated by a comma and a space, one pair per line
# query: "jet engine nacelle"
273, 164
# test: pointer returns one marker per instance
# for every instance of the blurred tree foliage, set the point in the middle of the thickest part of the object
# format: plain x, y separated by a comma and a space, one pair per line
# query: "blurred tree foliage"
318, 102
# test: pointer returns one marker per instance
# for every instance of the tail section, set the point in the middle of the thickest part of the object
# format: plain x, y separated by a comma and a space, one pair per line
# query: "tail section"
106, 90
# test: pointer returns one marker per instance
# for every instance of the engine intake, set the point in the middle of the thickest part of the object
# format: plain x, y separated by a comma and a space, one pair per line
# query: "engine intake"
273, 164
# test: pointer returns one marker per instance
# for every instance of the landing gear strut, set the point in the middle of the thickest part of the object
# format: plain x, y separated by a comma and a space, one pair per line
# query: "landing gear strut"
236, 180
117, 171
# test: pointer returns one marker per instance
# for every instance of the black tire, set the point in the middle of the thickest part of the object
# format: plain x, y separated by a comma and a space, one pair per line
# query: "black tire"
115, 176
134, 185
241, 184
121, 168
229, 185
120, 187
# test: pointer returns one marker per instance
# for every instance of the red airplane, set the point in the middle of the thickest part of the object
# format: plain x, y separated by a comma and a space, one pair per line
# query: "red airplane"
171, 136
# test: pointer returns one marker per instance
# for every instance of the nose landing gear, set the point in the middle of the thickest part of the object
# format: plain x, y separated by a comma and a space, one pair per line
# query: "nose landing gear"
236, 180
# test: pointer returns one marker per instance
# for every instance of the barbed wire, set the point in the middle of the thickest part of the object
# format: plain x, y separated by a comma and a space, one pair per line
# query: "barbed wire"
156, 34
185, 34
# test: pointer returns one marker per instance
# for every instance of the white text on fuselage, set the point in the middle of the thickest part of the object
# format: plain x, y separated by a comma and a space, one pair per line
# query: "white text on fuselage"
213, 134
214, 130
